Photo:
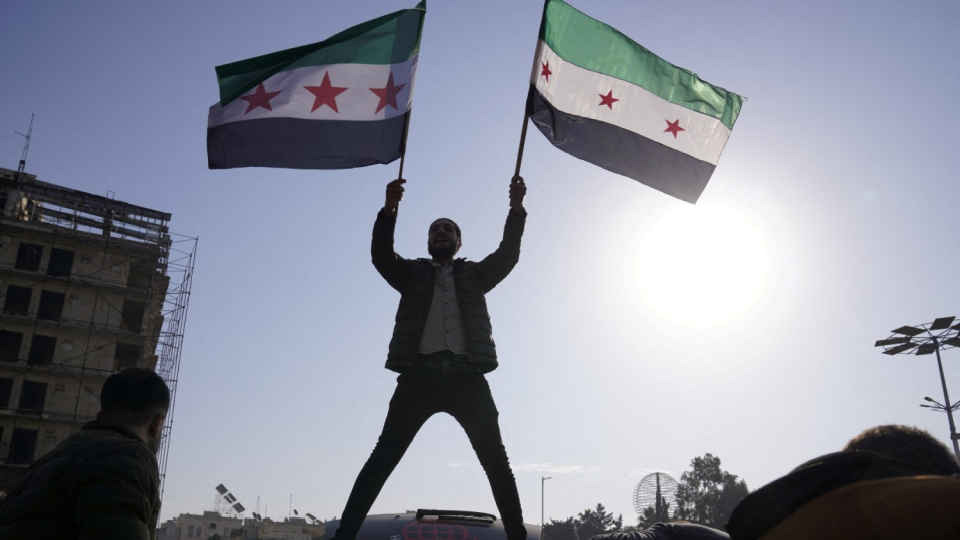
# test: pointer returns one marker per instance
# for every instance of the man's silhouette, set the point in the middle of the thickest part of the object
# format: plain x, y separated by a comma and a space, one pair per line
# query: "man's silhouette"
442, 345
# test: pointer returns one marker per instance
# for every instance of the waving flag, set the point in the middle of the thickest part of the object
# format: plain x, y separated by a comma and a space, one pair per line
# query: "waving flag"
341, 103
598, 95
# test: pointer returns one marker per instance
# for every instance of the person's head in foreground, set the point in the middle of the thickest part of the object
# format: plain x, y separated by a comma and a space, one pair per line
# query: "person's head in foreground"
138, 399
906, 443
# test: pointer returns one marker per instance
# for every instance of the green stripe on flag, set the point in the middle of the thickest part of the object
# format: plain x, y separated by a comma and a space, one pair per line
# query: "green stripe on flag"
390, 39
593, 45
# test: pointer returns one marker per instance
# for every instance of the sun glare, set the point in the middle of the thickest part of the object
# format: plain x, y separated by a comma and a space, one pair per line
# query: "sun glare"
702, 265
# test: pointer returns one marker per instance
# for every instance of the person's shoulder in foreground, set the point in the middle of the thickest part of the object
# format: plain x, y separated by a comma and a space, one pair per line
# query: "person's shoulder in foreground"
889, 482
101, 482
669, 531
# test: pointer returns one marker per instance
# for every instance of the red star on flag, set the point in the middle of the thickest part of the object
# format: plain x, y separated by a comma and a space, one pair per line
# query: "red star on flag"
326, 94
260, 98
387, 94
607, 100
545, 72
673, 127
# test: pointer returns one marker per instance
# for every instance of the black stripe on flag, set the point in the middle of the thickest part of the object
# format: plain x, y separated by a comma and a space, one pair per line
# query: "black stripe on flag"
621, 151
294, 143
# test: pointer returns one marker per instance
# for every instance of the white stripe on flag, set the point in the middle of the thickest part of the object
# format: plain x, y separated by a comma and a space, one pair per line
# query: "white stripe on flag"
358, 102
577, 91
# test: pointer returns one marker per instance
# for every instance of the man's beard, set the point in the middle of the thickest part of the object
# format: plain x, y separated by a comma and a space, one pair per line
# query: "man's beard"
442, 252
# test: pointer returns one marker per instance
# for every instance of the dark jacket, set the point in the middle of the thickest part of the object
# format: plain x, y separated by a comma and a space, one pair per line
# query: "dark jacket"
414, 280
101, 482
851, 496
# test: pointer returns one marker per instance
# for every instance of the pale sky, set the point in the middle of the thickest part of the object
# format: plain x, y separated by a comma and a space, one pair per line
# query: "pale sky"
636, 333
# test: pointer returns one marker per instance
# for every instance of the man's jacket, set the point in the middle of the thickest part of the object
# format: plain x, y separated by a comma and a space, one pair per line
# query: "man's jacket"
101, 482
414, 280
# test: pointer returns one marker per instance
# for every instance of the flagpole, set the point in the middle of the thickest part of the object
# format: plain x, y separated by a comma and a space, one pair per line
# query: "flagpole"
526, 108
523, 139
406, 129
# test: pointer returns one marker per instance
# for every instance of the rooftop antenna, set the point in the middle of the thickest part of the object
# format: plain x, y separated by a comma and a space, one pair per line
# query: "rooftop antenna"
26, 147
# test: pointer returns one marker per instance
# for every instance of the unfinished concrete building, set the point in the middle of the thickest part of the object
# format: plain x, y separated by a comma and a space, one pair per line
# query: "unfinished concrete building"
88, 286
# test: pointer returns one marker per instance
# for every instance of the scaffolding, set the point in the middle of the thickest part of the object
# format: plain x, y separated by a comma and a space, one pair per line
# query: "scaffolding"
88, 286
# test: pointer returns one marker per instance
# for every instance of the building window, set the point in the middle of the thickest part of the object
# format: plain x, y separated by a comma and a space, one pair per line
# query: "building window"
41, 350
141, 273
190, 532
32, 396
23, 444
6, 386
131, 317
28, 256
4, 197
10, 346
51, 306
18, 300
61, 262
126, 355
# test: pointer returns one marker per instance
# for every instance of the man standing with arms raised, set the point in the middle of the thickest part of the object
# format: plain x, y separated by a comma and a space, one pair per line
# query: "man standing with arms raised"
442, 345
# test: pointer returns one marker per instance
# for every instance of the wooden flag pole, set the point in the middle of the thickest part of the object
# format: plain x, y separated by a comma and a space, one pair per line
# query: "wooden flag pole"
406, 129
523, 139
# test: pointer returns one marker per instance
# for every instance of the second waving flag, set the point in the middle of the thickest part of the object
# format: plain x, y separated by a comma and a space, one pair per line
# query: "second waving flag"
599, 96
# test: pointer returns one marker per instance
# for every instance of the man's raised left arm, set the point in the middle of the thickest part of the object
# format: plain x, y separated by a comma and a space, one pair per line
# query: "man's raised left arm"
492, 269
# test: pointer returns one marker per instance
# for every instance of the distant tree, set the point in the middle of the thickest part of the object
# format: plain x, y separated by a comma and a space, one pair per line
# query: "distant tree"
586, 525
707, 494
649, 517
733, 491
597, 521
559, 530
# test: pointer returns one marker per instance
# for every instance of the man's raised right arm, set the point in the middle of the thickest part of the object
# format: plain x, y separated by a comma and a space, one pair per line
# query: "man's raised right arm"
385, 259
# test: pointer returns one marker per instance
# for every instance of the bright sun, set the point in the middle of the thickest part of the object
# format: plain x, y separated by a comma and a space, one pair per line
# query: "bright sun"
702, 265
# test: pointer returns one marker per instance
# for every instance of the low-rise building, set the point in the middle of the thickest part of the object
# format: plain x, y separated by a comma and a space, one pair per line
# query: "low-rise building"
212, 525
294, 528
207, 526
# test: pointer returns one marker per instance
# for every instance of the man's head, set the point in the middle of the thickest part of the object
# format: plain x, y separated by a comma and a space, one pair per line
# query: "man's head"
909, 444
443, 239
138, 399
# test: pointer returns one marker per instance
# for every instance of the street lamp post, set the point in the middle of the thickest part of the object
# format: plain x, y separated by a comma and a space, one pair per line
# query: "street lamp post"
938, 335
939, 407
542, 480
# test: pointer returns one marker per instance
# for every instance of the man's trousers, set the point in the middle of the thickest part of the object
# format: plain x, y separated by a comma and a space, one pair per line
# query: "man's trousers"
420, 394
